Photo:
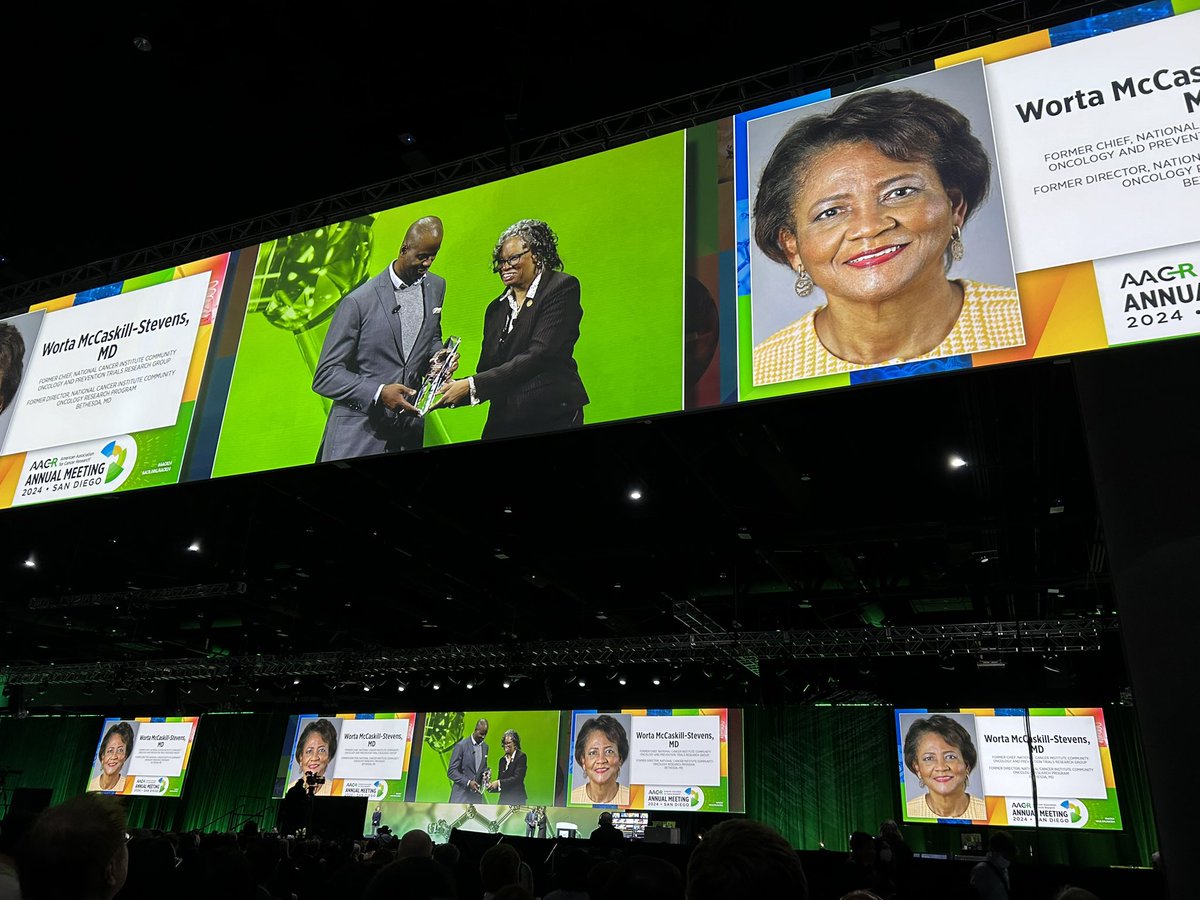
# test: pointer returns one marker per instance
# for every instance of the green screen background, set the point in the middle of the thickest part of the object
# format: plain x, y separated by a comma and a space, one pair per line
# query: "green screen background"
539, 739
620, 229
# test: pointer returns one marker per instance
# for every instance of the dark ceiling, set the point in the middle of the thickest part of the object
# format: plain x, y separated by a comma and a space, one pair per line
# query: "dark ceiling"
835, 514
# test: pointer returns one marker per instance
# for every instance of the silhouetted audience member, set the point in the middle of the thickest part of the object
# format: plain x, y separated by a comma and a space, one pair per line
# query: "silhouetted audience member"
571, 875
597, 877
894, 855
744, 858
152, 868
12, 831
990, 878
499, 867
606, 834
861, 872
76, 851
413, 878
414, 843
644, 878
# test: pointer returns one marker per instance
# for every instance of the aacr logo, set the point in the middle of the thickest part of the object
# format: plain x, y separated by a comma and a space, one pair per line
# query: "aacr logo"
1154, 276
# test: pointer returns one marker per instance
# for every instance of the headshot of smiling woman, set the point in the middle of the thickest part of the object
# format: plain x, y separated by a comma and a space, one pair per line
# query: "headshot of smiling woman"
315, 750
601, 748
869, 203
940, 752
113, 754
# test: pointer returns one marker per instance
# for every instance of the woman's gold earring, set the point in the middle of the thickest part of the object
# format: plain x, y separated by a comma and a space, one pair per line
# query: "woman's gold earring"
956, 244
804, 282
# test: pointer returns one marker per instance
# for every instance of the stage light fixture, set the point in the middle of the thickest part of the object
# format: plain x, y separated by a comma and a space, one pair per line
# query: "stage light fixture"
30, 562
582, 683
656, 681
470, 685
507, 683
621, 681
957, 462
295, 681
437, 685
635, 494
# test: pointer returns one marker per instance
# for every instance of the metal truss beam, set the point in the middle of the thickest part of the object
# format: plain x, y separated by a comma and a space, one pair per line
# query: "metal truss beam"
994, 638
882, 59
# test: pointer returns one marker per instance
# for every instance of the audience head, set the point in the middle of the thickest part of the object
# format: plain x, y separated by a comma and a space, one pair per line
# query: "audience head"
76, 851
605, 818
415, 878
414, 843
644, 878
500, 865
1001, 843
862, 847
447, 854
744, 858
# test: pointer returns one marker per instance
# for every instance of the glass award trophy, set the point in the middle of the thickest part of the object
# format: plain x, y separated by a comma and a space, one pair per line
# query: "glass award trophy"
439, 373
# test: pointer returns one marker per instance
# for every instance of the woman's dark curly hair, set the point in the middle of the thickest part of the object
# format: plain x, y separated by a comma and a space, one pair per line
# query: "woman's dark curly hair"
121, 730
903, 125
538, 237
325, 730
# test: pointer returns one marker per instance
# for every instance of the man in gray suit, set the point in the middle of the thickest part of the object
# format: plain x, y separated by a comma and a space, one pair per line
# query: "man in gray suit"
378, 348
468, 762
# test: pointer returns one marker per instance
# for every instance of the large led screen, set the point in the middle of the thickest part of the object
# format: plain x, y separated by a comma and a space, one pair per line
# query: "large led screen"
1016, 201
107, 387
519, 761
678, 759
145, 757
347, 755
995, 766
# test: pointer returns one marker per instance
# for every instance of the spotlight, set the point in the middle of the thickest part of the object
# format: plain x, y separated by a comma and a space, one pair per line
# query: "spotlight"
30, 562
470, 685
507, 683
401, 687
366, 689
194, 547
635, 494
437, 685
657, 681
295, 681
582, 683
621, 681
957, 462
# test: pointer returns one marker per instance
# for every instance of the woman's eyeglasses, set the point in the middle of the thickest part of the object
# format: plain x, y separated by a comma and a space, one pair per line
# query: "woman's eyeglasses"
508, 262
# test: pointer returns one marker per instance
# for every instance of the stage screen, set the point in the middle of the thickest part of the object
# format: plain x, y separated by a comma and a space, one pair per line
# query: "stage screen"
986, 765
104, 395
974, 255
145, 757
670, 759
356, 755
517, 762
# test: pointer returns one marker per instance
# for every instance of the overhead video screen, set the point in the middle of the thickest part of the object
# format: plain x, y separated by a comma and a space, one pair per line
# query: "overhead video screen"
98, 389
1049, 768
347, 755
679, 759
1016, 201
143, 757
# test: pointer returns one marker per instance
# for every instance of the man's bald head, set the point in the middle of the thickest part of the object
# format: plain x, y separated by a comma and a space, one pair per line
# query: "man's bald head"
421, 244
